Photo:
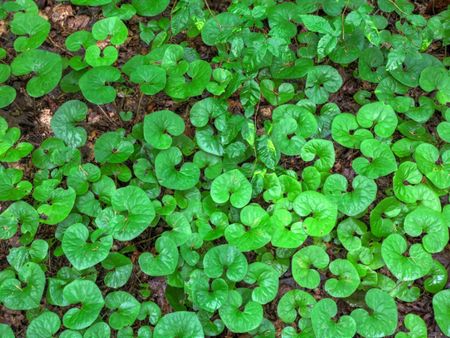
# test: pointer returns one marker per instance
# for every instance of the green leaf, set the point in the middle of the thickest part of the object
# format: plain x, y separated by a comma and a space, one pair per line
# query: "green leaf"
276, 96
433, 164
45, 66
9, 150
220, 28
347, 231
19, 214
165, 263
323, 324
347, 132
348, 280
417, 265
112, 147
436, 78
180, 324
150, 7
159, 125
283, 19
293, 303
286, 233
380, 114
416, 326
438, 278
316, 24
324, 213
59, 204
32, 30
232, 186
126, 306
17, 296
240, 317
350, 201
382, 319
169, 176
151, 310
441, 308
93, 84
323, 149
204, 110
301, 265
185, 82
12, 188
134, 212
426, 220
96, 57
225, 259
7, 96
120, 267
207, 296
44, 326
266, 278
97, 330
152, 79
6, 331
64, 121
81, 254
110, 28
267, 152
36, 252
320, 82
91, 299
382, 161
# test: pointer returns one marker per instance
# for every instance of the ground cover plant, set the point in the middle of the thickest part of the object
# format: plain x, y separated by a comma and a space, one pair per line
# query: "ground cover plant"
197, 168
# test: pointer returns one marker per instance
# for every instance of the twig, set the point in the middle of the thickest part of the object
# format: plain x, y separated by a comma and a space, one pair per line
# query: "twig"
107, 116
138, 110
58, 46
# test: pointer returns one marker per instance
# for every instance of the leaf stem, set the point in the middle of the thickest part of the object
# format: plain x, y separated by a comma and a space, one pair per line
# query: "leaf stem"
212, 14
396, 6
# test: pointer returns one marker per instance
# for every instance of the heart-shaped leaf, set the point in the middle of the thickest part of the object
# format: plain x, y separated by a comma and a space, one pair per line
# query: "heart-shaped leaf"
26, 292
64, 121
181, 324
323, 213
150, 7
168, 176
158, 125
165, 263
323, 324
225, 260
238, 316
232, 186
441, 308
79, 252
302, 261
91, 299
136, 211
93, 84
45, 66
404, 268
43, 326
126, 306
382, 319
293, 303
348, 280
